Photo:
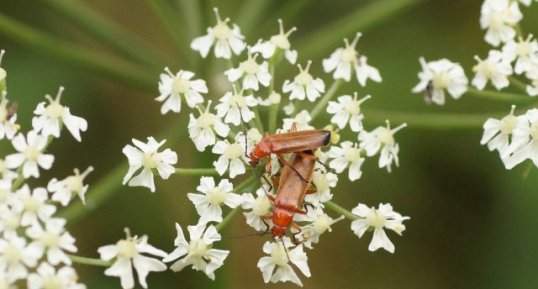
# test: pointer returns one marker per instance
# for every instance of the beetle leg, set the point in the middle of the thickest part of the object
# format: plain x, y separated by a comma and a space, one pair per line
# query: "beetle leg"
267, 227
307, 156
299, 211
286, 163
293, 127
296, 226
311, 191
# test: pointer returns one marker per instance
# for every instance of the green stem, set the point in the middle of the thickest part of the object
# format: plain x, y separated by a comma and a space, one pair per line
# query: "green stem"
196, 172
251, 13
519, 31
430, 120
192, 15
340, 210
366, 16
273, 109
500, 96
89, 261
322, 103
77, 55
93, 22
518, 83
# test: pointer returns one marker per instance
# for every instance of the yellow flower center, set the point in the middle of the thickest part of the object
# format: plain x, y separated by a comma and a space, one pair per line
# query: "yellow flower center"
31, 205
215, 196
52, 282
279, 256
12, 254
74, 183
31, 153
126, 248
222, 31
54, 110
50, 240
180, 85
261, 206
508, 124
198, 248
303, 78
375, 219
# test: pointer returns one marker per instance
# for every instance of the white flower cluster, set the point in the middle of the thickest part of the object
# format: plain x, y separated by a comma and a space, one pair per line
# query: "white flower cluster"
512, 63
34, 243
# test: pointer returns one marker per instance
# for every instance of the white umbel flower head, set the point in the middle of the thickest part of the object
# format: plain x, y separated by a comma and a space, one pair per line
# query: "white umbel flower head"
232, 156
279, 41
173, 87
280, 258
319, 223
128, 253
497, 133
233, 106
54, 240
47, 277
494, 68
30, 154
436, 76
208, 203
198, 252
301, 121
62, 191
524, 143
524, 52
33, 205
147, 157
259, 206
226, 39
50, 118
381, 139
347, 110
202, 129
499, 18
16, 257
253, 73
304, 85
346, 60
348, 155
324, 182
8, 118
377, 220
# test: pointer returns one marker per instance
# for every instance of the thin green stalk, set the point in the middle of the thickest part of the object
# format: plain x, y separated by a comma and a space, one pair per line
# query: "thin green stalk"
519, 31
439, 121
96, 24
89, 261
77, 55
518, 83
196, 172
273, 109
340, 210
165, 14
500, 96
250, 14
322, 103
258, 119
365, 17
192, 15
286, 10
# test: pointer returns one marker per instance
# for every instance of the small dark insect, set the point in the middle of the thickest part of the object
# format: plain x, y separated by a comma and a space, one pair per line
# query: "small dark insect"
429, 92
11, 110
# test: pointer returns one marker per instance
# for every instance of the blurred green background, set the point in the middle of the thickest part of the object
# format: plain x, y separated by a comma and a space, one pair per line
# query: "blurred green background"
473, 224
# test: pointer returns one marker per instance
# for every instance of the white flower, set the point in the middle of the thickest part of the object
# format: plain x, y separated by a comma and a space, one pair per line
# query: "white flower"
50, 118
532, 90
323, 181
253, 73
499, 18
497, 133
34, 205
320, 223
280, 257
16, 257
260, 207
127, 254
8, 118
198, 252
344, 60
524, 143
62, 191
147, 157
524, 52
30, 154
304, 85
381, 138
273, 98
232, 156
377, 220
347, 109
225, 39
202, 129
173, 87
436, 76
47, 277
301, 120
5, 173
10, 217
212, 197
289, 108
347, 155
233, 106
54, 240
278, 41
494, 68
